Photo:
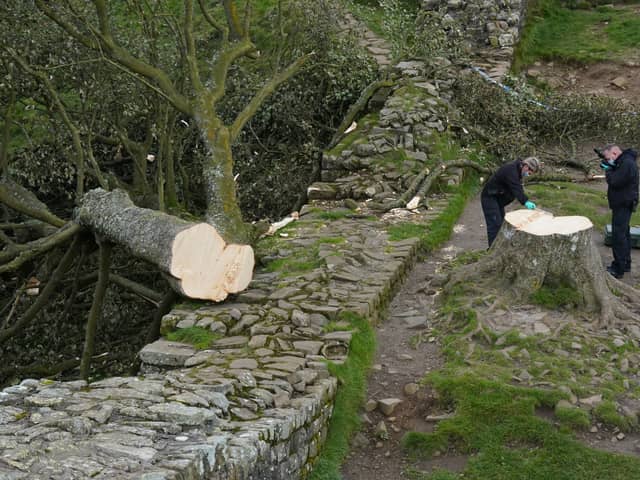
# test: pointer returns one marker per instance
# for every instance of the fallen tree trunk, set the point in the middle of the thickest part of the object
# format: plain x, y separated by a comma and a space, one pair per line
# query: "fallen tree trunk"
197, 260
534, 248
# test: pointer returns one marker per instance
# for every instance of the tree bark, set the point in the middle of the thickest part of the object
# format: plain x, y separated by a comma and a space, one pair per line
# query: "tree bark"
197, 260
534, 248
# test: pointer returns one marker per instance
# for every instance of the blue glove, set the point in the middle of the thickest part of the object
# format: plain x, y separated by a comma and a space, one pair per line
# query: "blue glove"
530, 205
605, 166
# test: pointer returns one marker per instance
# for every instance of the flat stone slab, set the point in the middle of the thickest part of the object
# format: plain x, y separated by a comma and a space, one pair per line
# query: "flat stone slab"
164, 352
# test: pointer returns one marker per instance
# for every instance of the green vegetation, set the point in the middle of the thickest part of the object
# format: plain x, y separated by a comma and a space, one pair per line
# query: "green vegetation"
439, 230
554, 296
442, 226
352, 377
497, 424
303, 260
573, 417
200, 338
554, 32
573, 199
607, 413
405, 230
339, 326
497, 421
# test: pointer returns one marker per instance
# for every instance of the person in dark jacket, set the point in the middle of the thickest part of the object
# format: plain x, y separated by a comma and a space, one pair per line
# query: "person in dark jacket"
502, 188
622, 179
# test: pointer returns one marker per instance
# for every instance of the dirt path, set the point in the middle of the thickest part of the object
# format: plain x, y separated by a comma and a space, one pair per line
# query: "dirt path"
399, 363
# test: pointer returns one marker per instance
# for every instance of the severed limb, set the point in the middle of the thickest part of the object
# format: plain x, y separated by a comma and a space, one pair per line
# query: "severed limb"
16, 257
357, 107
44, 297
96, 308
422, 183
23, 201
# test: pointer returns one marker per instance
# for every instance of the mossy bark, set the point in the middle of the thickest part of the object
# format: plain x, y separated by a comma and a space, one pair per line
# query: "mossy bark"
520, 262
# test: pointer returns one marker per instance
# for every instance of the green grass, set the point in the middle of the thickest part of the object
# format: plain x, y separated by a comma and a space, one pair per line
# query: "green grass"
554, 296
405, 230
606, 412
496, 420
573, 417
496, 424
573, 199
200, 338
556, 33
439, 229
352, 378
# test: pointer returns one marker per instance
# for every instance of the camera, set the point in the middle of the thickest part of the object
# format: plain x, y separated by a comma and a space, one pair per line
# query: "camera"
600, 154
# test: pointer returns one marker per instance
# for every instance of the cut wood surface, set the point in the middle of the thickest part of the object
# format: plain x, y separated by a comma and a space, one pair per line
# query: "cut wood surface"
541, 222
198, 261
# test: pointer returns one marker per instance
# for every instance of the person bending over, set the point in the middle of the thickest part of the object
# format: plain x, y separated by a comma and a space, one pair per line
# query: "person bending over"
502, 188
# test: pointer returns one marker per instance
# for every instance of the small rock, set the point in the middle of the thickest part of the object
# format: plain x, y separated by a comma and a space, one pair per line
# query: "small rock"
620, 82
411, 389
388, 405
591, 401
371, 405
360, 441
381, 430
541, 328
624, 365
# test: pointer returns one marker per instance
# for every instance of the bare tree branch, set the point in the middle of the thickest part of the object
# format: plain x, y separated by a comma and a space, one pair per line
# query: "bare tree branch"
73, 129
212, 21
70, 29
233, 21
262, 94
25, 252
4, 147
23, 201
96, 308
46, 293
192, 61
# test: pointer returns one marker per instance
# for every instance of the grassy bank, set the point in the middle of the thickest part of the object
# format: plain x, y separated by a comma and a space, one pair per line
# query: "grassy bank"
554, 32
520, 405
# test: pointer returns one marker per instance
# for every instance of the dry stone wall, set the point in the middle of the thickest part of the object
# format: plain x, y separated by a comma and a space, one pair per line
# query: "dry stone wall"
492, 28
256, 405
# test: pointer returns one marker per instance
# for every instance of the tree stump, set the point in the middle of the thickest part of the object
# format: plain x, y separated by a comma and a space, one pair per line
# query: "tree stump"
534, 248
197, 260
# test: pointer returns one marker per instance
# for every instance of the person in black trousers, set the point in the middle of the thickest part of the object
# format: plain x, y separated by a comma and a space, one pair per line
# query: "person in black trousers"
501, 189
621, 172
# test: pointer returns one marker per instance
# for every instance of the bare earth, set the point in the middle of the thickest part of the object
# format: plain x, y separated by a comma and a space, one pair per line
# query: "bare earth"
606, 78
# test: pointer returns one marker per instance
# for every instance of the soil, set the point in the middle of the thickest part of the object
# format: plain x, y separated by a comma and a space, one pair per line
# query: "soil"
595, 79
401, 360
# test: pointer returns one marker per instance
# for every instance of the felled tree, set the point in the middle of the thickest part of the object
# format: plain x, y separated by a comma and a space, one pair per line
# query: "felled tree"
534, 248
197, 261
